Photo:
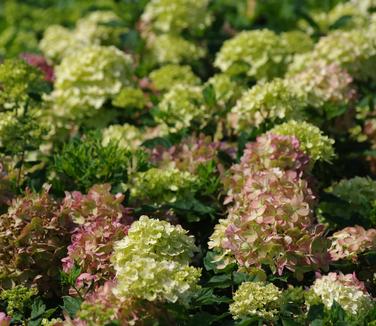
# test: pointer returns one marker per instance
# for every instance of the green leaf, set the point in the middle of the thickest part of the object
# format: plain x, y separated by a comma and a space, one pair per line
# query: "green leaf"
38, 309
158, 141
220, 281
206, 297
316, 312
289, 322
209, 95
337, 313
71, 305
204, 318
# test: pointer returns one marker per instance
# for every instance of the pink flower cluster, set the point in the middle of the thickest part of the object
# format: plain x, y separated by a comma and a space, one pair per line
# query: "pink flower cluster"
190, 153
33, 239
267, 152
352, 241
4, 319
102, 307
271, 221
326, 84
102, 220
40, 62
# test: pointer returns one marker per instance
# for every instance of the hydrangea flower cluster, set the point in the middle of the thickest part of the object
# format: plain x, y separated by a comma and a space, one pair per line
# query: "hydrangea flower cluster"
182, 107
270, 102
102, 220
267, 152
33, 240
127, 136
174, 49
191, 153
165, 77
270, 221
350, 242
297, 41
41, 63
57, 42
272, 224
346, 290
19, 82
97, 28
88, 78
152, 262
129, 98
175, 16
227, 91
18, 299
355, 52
259, 54
312, 140
157, 186
325, 84
103, 306
256, 299
4, 319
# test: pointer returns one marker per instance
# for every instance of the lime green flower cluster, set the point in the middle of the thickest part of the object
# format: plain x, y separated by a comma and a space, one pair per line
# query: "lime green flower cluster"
86, 79
297, 42
168, 16
156, 186
346, 290
167, 48
182, 107
312, 140
152, 262
129, 98
226, 90
259, 54
19, 83
97, 28
256, 299
126, 135
18, 299
270, 102
51, 322
164, 78
354, 51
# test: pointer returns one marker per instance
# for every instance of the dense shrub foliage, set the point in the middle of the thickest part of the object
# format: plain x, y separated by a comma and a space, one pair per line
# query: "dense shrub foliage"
187, 162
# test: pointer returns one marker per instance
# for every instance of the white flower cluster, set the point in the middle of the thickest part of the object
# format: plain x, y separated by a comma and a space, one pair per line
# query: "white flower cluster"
339, 288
